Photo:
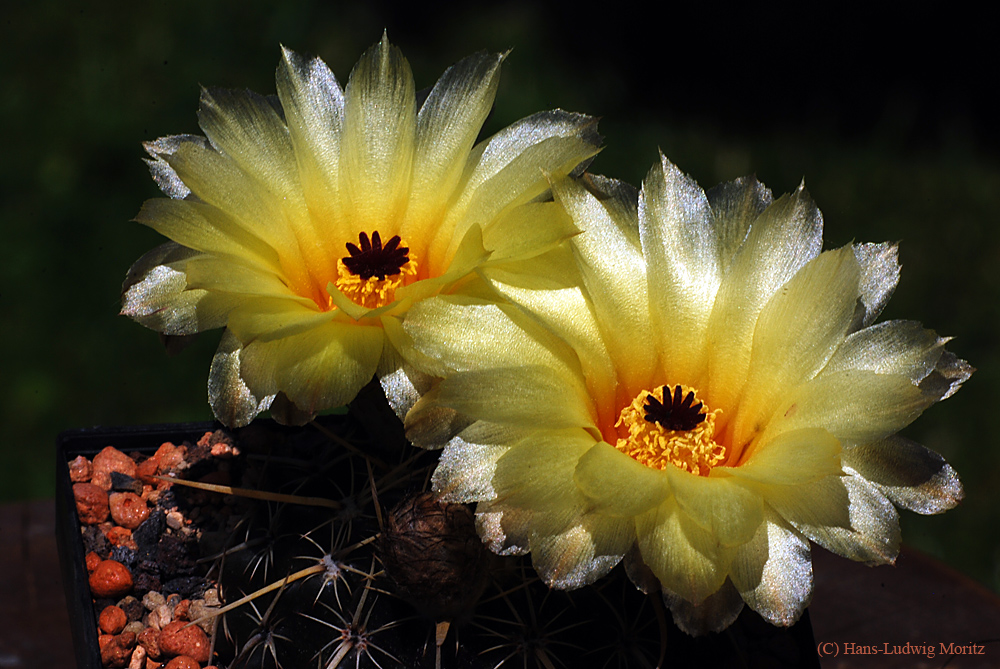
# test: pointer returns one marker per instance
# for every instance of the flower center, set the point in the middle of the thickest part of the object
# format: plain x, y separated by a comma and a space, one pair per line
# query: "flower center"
659, 429
370, 275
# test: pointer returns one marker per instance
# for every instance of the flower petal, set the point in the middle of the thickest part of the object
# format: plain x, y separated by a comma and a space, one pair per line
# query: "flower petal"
465, 471
684, 557
846, 515
613, 273
796, 333
556, 141
873, 536
583, 553
949, 374
854, 406
681, 248
793, 457
504, 529
773, 572
269, 318
717, 612
546, 289
470, 334
782, 239
242, 208
527, 231
879, 265
204, 228
551, 397
910, 475
537, 473
402, 344
163, 174
231, 275
616, 485
402, 383
735, 206
507, 169
156, 294
447, 126
247, 129
468, 257
721, 505
232, 401
820, 503
313, 104
429, 425
892, 347
378, 138
318, 368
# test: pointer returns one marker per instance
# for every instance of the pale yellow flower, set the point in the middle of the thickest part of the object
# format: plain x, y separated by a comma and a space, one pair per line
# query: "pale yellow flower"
696, 390
271, 211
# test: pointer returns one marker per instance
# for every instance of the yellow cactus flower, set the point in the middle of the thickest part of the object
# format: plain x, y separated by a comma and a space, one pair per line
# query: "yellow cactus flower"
693, 388
301, 223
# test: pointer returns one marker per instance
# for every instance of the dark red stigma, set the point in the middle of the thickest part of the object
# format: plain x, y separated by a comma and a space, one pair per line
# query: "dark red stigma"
674, 413
373, 259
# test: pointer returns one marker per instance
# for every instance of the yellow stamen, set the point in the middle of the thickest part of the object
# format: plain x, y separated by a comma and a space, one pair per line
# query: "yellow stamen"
374, 292
655, 446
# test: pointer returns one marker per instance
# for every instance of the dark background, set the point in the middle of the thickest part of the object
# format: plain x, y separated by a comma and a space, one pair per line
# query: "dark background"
889, 116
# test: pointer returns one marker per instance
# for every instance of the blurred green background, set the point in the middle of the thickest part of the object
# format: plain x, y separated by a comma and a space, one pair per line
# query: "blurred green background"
894, 135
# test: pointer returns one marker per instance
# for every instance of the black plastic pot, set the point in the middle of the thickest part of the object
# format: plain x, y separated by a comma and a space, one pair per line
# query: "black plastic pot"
88, 442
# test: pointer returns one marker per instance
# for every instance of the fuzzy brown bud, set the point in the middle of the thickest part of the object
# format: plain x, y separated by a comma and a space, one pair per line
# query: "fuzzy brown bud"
434, 557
